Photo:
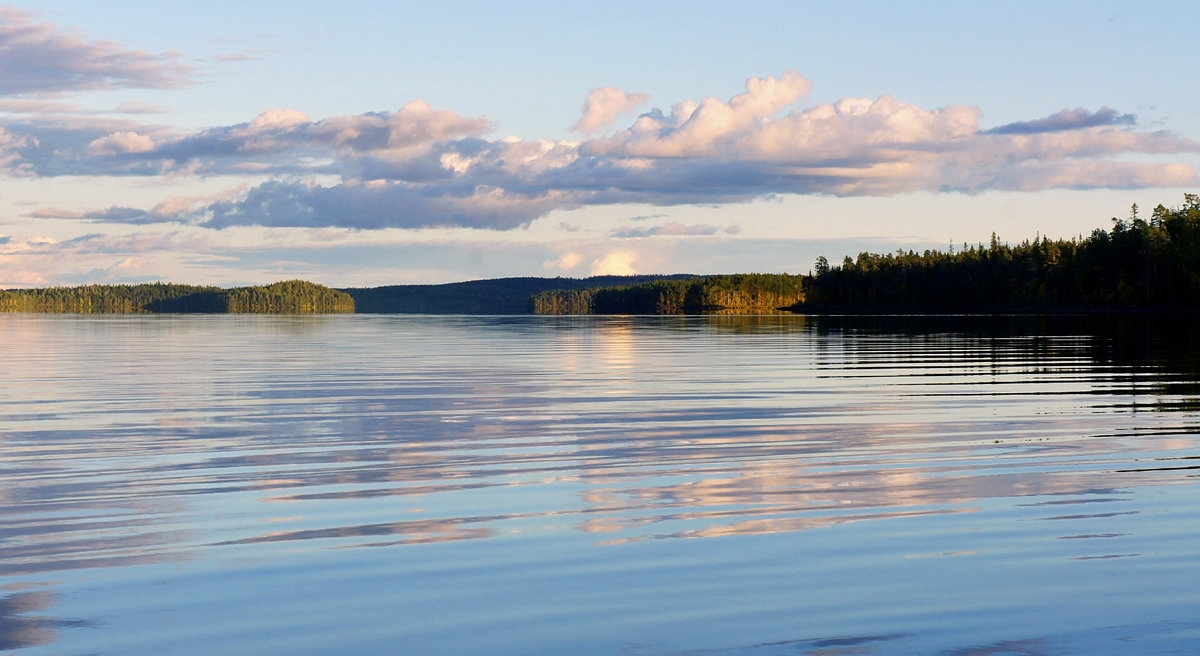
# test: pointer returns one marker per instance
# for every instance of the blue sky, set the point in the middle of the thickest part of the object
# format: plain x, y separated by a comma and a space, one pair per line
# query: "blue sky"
362, 144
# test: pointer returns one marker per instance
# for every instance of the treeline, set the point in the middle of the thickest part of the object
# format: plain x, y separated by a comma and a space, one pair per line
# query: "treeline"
289, 297
494, 296
1137, 264
729, 294
1151, 264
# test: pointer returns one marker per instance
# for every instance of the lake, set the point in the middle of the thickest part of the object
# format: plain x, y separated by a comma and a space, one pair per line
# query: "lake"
699, 486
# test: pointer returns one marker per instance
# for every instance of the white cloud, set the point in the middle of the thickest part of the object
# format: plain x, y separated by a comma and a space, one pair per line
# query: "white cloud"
119, 143
605, 105
566, 262
616, 263
275, 119
705, 129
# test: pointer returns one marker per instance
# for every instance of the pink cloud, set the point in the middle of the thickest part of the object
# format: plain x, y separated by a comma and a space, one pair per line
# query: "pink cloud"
119, 143
421, 167
41, 57
605, 105
707, 128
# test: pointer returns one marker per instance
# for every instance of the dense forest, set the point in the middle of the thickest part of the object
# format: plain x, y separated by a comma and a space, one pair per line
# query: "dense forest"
731, 294
289, 297
495, 296
1138, 264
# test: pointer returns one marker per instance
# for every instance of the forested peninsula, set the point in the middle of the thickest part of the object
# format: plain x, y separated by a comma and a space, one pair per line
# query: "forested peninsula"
1139, 264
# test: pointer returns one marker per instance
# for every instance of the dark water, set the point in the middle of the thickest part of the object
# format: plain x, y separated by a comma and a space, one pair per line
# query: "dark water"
526, 485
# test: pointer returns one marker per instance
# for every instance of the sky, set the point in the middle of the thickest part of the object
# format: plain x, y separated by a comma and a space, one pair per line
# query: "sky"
359, 144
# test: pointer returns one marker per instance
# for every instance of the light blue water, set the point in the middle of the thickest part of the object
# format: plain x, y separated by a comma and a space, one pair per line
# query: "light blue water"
526, 485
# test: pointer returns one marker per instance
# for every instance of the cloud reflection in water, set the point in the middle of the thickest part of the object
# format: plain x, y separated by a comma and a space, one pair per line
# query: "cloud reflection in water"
293, 437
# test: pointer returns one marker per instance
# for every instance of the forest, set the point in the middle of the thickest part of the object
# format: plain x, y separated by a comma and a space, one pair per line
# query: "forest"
729, 294
1137, 264
288, 297
494, 296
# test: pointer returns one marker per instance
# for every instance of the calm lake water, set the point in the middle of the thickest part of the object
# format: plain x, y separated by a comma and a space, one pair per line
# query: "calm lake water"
695, 486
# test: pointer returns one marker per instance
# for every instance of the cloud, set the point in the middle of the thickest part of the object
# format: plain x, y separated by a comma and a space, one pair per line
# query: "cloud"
10, 245
37, 261
133, 107
120, 143
373, 205
286, 140
116, 214
41, 106
708, 128
11, 155
422, 167
673, 229
43, 58
616, 263
605, 105
1067, 119
567, 262
249, 54
38, 106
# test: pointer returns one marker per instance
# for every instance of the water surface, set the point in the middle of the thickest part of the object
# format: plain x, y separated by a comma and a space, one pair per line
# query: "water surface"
598, 485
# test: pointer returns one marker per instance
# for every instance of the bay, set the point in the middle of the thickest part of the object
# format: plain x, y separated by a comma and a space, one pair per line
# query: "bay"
598, 485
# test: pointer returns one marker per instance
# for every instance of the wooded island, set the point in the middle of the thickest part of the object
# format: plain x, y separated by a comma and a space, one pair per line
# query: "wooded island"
289, 297
1136, 265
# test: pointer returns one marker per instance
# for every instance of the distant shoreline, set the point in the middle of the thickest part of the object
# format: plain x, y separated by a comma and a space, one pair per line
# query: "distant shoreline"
640, 295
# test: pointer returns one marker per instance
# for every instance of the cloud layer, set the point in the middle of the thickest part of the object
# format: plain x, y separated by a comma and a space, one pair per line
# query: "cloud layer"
43, 58
422, 167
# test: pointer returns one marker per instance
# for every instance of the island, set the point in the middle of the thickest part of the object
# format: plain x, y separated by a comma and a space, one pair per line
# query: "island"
288, 297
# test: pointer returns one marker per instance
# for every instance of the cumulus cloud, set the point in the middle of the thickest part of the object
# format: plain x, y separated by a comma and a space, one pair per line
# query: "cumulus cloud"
422, 167
120, 143
616, 263
605, 105
285, 140
708, 128
566, 262
41, 58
